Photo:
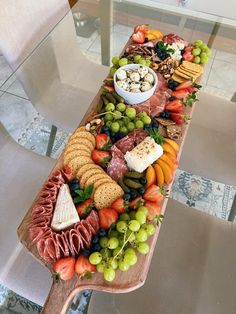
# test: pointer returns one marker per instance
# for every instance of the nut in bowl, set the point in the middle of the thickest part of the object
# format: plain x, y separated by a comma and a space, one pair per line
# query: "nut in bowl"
135, 83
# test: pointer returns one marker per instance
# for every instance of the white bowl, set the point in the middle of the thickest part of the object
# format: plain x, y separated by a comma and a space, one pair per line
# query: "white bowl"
135, 98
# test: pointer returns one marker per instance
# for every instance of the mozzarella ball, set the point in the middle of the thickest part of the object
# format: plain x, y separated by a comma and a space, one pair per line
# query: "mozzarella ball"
135, 90
122, 84
134, 85
135, 77
142, 70
121, 75
145, 86
149, 78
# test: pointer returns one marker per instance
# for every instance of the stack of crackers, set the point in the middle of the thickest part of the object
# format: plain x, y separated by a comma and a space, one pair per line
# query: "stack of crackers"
77, 156
187, 71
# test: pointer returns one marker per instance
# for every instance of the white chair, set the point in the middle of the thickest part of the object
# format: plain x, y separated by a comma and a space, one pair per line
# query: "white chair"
22, 173
192, 270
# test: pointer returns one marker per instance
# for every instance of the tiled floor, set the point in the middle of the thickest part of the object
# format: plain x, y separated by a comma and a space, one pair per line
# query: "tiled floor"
31, 130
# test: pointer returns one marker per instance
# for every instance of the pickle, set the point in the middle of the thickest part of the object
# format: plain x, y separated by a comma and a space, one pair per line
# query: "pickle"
134, 174
111, 98
105, 100
100, 105
118, 97
132, 184
123, 186
109, 82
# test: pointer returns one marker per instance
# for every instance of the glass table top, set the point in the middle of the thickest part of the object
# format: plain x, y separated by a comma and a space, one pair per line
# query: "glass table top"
60, 78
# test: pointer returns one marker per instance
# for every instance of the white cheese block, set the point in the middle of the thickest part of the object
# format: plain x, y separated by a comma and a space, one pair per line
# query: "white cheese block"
143, 155
65, 213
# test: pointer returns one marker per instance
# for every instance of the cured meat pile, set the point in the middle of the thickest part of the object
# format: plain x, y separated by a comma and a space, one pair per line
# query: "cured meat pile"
53, 245
156, 104
173, 38
117, 166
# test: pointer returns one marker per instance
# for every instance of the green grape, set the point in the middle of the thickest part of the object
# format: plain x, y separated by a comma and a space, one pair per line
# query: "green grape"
204, 60
117, 115
198, 43
109, 273
95, 258
121, 107
115, 127
142, 61
113, 243
123, 266
130, 126
124, 217
108, 123
121, 123
146, 120
108, 117
142, 114
130, 250
121, 226
140, 217
130, 259
139, 124
132, 214
148, 62
115, 60
150, 230
123, 61
121, 241
137, 58
126, 120
143, 209
112, 71
208, 52
203, 46
106, 253
100, 266
118, 250
130, 235
110, 107
103, 242
134, 225
124, 130
197, 59
203, 55
113, 263
196, 52
113, 234
141, 235
130, 113
143, 248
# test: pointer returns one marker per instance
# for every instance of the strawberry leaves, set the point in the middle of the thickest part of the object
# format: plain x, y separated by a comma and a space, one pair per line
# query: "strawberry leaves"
83, 195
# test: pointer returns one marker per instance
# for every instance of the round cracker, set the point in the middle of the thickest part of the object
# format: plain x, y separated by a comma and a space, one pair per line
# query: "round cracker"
84, 134
96, 178
106, 193
83, 141
78, 162
88, 174
74, 153
76, 146
85, 168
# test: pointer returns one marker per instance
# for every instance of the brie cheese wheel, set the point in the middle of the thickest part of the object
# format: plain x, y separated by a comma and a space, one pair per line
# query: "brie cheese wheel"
65, 213
143, 155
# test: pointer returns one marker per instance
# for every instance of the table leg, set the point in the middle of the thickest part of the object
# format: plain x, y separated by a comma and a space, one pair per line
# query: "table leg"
106, 9
232, 213
51, 140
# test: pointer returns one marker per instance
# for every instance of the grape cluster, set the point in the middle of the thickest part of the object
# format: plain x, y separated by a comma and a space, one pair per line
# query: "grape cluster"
120, 62
120, 246
201, 52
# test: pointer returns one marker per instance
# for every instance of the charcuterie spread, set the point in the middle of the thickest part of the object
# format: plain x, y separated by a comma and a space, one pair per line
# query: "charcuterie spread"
96, 213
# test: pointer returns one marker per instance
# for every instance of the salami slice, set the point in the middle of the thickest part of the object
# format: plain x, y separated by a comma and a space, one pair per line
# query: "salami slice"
51, 186
117, 166
48, 195
64, 248
48, 204
76, 240
125, 144
85, 235
52, 248
37, 233
67, 173
40, 211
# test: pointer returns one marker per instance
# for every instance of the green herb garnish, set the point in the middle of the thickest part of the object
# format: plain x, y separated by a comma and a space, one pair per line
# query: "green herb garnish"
156, 135
190, 99
83, 194
163, 47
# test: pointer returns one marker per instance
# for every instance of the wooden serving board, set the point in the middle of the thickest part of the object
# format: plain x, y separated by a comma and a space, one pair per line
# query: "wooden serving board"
62, 292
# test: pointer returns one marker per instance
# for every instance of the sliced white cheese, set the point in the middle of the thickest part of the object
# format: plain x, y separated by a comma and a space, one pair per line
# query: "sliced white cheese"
143, 155
65, 213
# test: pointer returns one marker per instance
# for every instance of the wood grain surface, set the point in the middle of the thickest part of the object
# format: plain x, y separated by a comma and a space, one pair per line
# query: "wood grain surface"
62, 293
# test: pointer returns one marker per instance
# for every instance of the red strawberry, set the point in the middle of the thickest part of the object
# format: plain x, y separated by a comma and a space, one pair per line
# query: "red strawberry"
107, 216
186, 84
100, 157
188, 56
119, 205
181, 94
153, 194
137, 202
179, 118
153, 210
83, 266
189, 48
142, 28
109, 88
138, 37
84, 208
65, 268
103, 142
174, 106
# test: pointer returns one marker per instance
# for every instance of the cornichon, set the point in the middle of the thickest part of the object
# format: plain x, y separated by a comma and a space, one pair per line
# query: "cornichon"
123, 186
105, 100
132, 184
111, 98
134, 174
100, 105
118, 97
